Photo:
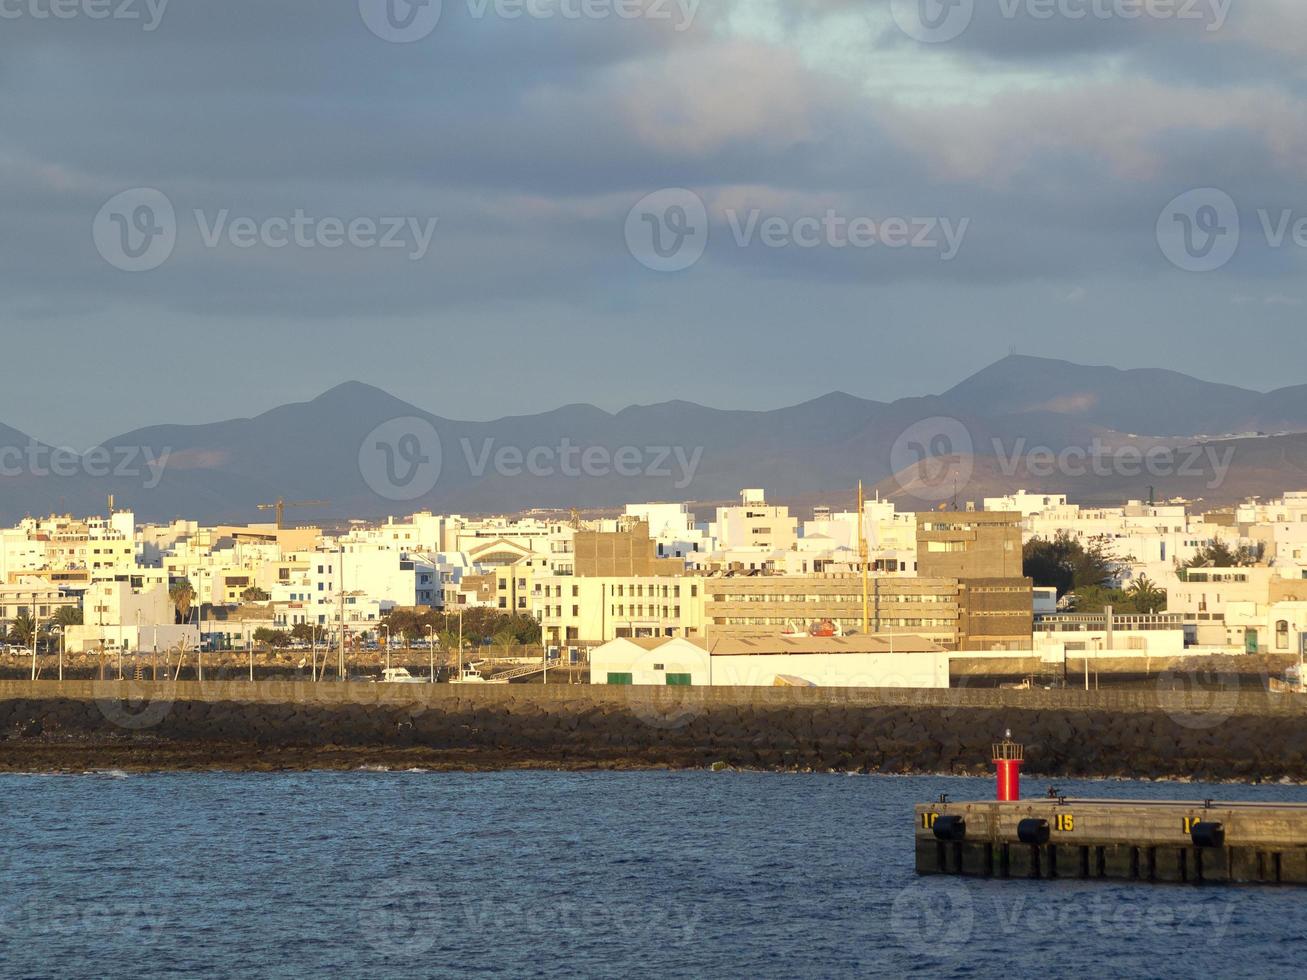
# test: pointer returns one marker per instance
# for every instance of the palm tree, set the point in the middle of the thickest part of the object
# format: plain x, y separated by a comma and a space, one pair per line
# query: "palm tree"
66, 616
182, 595
1146, 595
22, 630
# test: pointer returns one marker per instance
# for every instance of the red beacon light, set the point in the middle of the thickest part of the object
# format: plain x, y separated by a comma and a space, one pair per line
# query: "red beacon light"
1008, 758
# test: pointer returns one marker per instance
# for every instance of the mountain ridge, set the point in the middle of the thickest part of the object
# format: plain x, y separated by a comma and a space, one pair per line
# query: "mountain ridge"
672, 450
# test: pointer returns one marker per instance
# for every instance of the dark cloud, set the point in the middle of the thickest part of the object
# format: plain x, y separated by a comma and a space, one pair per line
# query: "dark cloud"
1058, 141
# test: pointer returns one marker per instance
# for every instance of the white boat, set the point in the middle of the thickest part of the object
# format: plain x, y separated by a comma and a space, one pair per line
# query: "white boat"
399, 675
471, 675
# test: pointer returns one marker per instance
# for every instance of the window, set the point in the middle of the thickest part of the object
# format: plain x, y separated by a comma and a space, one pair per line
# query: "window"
622, 680
680, 680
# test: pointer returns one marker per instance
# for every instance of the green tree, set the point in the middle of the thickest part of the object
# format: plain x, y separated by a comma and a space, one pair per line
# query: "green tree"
22, 630
255, 594
1218, 554
304, 633
1146, 596
1066, 564
66, 616
182, 594
272, 638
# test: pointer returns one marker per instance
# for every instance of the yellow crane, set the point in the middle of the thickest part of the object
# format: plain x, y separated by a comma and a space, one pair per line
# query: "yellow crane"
282, 503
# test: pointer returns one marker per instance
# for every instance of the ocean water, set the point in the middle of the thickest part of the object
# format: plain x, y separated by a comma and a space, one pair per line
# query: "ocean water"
375, 874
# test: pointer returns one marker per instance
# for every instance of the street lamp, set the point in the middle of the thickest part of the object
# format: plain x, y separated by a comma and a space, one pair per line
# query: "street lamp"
386, 627
59, 632
431, 651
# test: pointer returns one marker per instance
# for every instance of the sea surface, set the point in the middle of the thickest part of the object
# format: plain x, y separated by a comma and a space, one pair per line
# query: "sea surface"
696, 874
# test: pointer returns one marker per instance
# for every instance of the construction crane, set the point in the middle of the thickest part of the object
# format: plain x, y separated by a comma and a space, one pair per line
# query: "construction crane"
281, 504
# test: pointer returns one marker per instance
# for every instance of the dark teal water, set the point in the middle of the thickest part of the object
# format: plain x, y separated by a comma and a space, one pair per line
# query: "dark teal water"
558, 875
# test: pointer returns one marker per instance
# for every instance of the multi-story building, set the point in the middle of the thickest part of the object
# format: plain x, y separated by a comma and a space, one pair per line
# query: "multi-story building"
589, 610
754, 525
762, 605
969, 544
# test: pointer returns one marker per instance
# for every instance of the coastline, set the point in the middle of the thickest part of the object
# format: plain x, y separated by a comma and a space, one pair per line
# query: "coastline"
1235, 736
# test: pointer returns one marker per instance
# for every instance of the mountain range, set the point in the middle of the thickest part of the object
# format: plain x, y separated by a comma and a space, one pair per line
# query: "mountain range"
1119, 434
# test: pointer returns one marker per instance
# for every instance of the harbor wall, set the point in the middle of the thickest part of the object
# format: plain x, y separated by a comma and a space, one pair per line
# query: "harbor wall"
1203, 733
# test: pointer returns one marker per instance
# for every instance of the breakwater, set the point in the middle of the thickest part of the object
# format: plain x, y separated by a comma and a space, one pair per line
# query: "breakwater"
1224, 732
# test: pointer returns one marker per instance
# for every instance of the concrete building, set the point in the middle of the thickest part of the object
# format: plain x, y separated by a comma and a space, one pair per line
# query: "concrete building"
116, 616
625, 553
770, 605
755, 525
844, 662
966, 544
32, 597
587, 610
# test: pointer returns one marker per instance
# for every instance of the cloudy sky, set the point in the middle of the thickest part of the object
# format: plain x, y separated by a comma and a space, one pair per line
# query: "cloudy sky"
893, 195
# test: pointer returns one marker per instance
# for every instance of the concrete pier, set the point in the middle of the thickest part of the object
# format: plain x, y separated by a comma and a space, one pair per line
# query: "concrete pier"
1125, 840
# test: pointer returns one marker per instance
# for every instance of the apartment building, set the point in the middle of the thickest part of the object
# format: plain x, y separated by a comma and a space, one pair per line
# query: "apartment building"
754, 525
762, 605
967, 544
589, 610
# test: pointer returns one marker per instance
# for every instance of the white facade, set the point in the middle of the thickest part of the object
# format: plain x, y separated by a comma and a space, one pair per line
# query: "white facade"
680, 662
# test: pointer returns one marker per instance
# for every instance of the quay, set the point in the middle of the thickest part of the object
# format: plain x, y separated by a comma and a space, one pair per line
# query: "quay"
1124, 840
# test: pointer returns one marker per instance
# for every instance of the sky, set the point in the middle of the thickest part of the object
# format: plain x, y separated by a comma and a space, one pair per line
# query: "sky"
496, 207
